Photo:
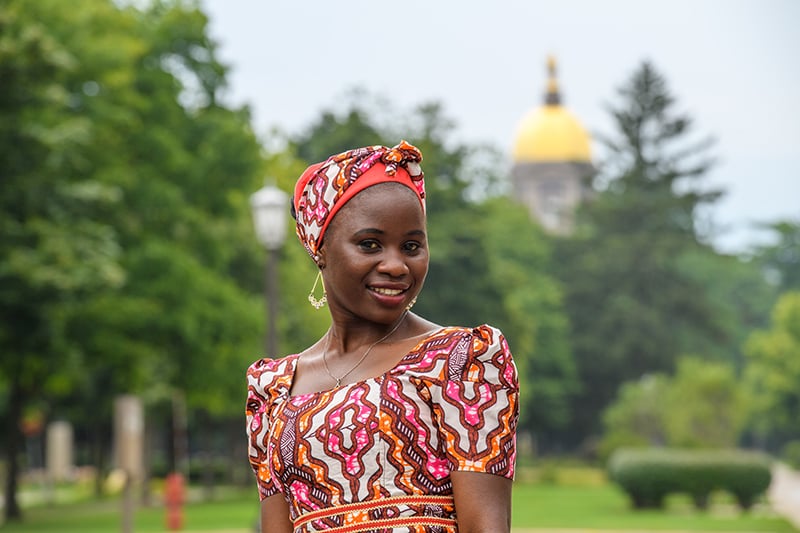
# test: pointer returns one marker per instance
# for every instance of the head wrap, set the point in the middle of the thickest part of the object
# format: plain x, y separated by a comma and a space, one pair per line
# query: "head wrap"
325, 187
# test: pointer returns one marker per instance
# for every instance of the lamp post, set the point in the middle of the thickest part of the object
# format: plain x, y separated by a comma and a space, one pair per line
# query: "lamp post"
269, 216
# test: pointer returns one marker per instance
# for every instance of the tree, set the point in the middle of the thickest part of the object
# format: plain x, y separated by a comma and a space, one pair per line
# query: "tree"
532, 316
55, 248
740, 298
773, 371
625, 295
637, 416
706, 406
781, 260
128, 258
701, 406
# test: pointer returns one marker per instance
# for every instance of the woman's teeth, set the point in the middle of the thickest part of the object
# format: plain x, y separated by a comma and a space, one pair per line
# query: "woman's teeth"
387, 292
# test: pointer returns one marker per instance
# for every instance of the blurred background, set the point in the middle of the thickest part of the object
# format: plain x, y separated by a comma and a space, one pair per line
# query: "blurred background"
612, 184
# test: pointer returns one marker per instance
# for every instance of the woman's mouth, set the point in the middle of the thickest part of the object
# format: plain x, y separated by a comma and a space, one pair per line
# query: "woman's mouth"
389, 296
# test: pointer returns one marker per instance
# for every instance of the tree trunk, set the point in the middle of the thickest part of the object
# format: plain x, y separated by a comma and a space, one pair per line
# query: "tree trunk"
147, 494
13, 512
98, 458
180, 437
209, 472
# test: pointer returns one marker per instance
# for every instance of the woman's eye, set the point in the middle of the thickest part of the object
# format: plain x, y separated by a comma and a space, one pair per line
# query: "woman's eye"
368, 245
412, 246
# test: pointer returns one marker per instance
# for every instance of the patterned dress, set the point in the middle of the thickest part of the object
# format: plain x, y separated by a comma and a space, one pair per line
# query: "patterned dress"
376, 455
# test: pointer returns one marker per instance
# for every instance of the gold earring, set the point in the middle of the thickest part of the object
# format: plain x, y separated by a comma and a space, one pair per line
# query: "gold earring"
318, 304
411, 303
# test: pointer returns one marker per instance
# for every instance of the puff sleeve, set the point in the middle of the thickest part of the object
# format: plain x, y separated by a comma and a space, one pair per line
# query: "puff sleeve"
475, 404
265, 384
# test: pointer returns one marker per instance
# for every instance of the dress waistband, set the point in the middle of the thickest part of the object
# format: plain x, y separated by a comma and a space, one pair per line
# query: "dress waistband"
364, 523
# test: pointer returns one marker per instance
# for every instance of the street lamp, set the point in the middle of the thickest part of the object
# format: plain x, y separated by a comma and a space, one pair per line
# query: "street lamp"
269, 216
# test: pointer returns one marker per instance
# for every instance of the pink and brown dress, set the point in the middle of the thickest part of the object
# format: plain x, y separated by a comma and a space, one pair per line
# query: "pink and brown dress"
376, 455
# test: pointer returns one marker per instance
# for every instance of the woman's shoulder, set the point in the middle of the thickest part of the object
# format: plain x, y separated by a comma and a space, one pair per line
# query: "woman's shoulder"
267, 373
455, 352
479, 335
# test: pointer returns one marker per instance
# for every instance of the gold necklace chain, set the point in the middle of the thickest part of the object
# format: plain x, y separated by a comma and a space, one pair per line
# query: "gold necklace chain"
366, 353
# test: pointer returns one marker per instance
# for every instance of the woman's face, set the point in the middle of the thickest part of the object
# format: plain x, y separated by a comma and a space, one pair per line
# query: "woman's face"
375, 253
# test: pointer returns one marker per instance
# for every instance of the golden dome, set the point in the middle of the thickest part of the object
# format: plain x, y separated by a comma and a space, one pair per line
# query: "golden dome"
551, 133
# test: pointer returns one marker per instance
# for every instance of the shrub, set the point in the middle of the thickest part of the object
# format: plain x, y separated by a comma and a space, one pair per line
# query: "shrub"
791, 453
647, 476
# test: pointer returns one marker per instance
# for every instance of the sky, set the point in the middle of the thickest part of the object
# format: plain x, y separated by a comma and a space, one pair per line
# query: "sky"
733, 65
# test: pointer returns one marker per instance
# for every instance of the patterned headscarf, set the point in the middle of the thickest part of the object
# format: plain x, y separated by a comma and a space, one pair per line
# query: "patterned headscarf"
325, 187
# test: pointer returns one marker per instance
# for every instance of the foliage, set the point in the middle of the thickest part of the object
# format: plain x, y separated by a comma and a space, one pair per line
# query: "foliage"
706, 405
532, 314
791, 453
334, 133
701, 406
127, 244
638, 415
626, 295
55, 248
773, 370
781, 260
648, 476
740, 297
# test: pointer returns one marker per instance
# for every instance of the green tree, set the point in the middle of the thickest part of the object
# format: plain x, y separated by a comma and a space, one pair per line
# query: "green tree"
55, 249
781, 260
740, 298
128, 262
637, 417
625, 293
190, 253
773, 371
706, 406
701, 406
334, 133
531, 314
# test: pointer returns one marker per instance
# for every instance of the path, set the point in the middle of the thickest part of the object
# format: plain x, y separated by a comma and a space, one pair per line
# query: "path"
784, 493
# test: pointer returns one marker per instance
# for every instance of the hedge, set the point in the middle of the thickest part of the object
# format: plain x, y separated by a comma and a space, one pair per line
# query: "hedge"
649, 475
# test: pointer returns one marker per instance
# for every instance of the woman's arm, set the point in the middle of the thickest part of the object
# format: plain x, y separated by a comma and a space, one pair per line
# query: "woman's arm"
483, 502
275, 515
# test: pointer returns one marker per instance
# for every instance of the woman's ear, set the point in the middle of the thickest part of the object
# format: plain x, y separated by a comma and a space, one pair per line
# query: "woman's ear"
320, 259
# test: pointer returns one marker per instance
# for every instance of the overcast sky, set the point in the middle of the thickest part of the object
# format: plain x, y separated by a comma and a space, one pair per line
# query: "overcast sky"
734, 65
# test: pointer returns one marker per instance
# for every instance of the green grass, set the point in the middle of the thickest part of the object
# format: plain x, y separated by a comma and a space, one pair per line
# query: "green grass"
576, 498
604, 507
234, 510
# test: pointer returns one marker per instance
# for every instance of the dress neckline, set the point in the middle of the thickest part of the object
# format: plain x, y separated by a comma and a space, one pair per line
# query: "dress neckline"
296, 358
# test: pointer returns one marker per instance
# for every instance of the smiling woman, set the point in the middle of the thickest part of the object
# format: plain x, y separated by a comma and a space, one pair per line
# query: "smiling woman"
389, 421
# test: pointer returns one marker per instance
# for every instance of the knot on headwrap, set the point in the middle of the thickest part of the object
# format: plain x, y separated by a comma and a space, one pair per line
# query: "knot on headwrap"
325, 187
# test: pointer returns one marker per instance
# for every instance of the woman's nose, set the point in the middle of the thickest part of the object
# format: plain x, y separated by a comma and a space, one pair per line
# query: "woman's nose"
393, 264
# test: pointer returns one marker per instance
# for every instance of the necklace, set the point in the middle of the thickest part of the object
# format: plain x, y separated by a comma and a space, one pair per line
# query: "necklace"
366, 353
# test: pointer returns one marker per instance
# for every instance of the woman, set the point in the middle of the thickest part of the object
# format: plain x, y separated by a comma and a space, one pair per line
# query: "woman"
389, 422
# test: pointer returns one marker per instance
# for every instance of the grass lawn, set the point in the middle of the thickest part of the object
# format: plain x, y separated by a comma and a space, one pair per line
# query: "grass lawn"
594, 505
234, 511
605, 507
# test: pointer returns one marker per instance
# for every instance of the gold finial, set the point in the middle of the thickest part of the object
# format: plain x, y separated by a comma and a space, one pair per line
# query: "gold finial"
552, 97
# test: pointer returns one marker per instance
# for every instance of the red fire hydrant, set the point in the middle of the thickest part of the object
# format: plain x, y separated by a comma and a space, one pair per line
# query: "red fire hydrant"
174, 497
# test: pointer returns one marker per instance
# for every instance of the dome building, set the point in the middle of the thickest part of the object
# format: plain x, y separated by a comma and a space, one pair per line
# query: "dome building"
551, 161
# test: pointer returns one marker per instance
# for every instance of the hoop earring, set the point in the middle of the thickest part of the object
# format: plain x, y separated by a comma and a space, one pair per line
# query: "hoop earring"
411, 303
318, 304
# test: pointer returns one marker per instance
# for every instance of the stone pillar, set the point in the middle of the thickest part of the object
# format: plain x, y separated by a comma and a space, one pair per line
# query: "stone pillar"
129, 451
129, 435
59, 454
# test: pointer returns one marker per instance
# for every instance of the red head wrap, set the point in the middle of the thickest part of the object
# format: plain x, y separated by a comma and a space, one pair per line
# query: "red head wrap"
325, 187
